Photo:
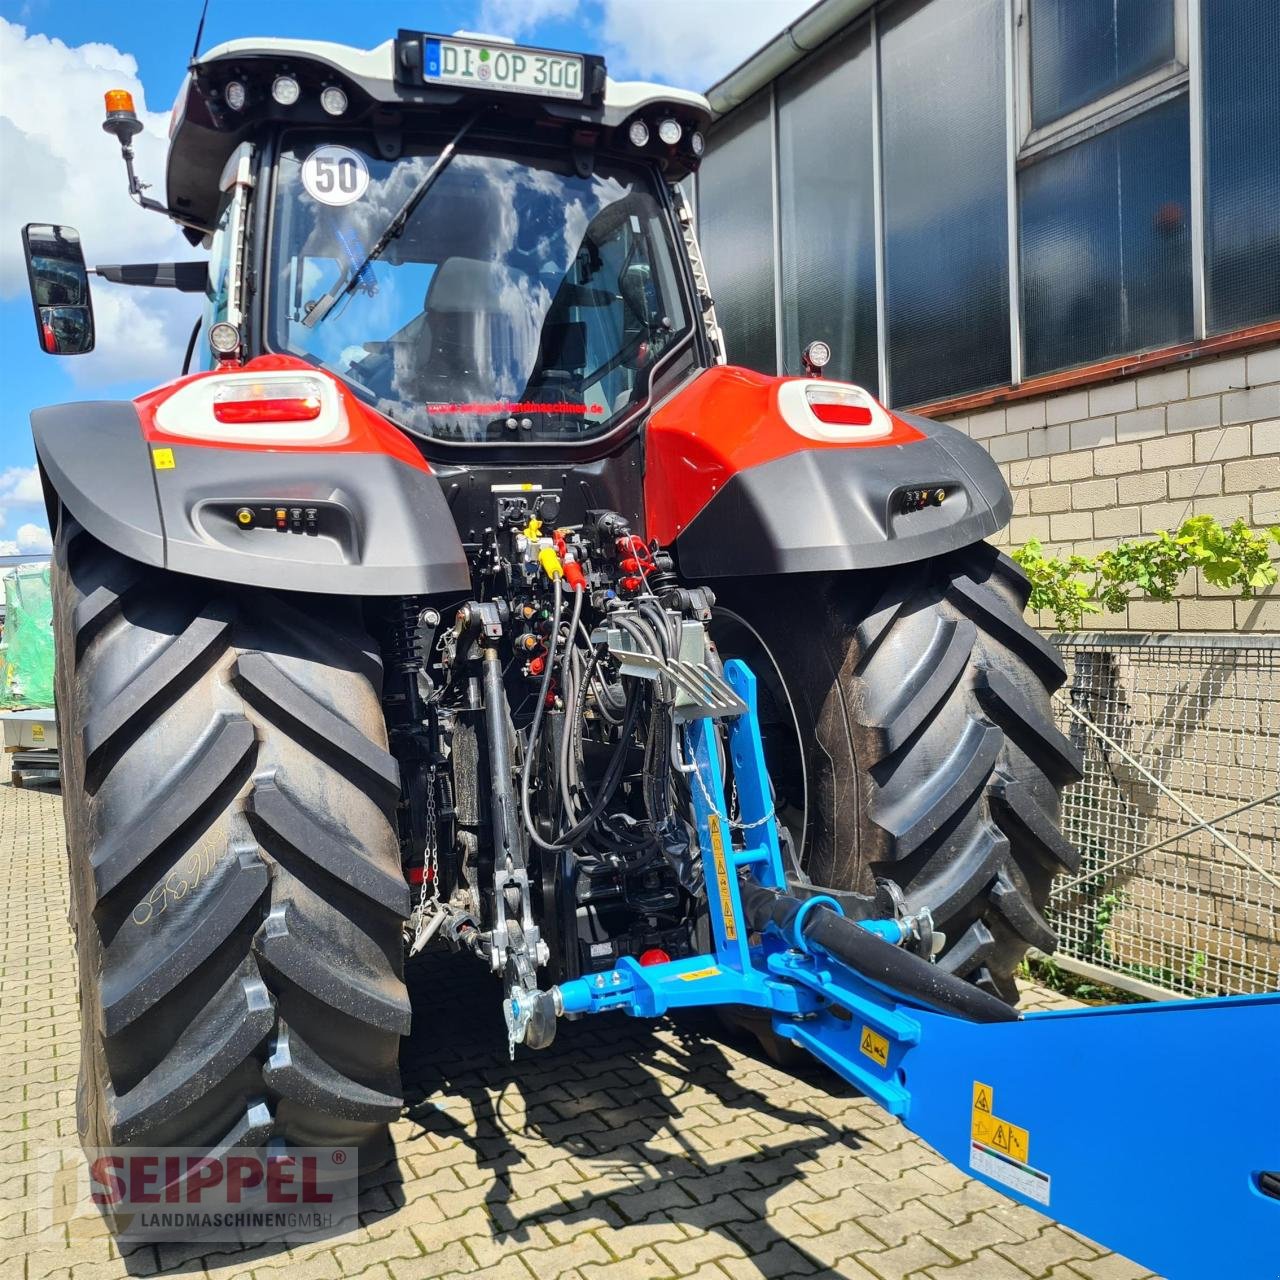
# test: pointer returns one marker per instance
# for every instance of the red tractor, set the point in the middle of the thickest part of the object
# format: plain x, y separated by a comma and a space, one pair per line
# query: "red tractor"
393, 619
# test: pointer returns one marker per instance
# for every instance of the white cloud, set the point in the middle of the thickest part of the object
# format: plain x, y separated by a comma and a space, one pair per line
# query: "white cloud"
689, 43
34, 537
20, 484
8, 547
516, 18
60, 167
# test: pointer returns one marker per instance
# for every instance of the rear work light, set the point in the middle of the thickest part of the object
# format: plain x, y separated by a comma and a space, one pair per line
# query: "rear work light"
295, 400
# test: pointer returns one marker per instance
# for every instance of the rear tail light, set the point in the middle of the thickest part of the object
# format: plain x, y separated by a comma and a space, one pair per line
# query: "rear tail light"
294, 400
833, 412
838, 407
264, 407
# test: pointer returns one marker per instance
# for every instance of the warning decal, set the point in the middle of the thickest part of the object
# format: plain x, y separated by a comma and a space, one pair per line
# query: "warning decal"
722, 878
1034, 1184
1002, 1135
162, 459
875, 1046
696, 975
1000, 1150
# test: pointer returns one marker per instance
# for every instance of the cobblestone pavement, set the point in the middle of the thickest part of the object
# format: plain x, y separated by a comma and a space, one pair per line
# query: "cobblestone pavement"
625, 1152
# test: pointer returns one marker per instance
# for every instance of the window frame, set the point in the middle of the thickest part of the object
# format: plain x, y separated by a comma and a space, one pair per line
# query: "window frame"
1112, 108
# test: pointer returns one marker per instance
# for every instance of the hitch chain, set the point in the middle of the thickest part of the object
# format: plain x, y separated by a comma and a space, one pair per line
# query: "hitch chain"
429, 914
691, 766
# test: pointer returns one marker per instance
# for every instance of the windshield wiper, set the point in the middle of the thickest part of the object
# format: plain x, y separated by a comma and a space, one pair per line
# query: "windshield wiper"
393, 228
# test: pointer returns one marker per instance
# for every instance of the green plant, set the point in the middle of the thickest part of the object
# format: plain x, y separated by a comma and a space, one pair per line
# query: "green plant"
1046, 973
1110, 904
1232, 557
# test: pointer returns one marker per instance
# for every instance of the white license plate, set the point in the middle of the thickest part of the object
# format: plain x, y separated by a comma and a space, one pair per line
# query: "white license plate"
501, 66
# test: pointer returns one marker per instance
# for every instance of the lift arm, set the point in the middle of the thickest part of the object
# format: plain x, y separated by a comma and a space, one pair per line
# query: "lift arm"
1153, 1129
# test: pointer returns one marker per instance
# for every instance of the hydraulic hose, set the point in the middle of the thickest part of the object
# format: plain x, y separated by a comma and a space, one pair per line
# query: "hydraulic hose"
570, 693
894, 970
539, 712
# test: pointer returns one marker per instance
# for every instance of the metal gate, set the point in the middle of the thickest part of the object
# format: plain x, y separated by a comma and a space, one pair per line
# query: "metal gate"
1177, 817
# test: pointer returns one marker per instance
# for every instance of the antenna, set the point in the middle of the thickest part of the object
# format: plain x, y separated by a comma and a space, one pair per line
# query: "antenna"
195, 47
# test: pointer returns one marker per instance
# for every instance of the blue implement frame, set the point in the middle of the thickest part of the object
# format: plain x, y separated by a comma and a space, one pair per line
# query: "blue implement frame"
1153, 1129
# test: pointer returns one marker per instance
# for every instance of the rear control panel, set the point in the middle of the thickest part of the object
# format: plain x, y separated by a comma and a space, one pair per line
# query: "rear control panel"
307, 530
282, 517
921, 496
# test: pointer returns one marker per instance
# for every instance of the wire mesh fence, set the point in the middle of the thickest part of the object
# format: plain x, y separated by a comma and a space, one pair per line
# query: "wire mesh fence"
1177, 817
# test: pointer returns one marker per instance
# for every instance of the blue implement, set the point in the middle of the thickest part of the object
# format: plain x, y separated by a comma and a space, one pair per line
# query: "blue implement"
1153, 1129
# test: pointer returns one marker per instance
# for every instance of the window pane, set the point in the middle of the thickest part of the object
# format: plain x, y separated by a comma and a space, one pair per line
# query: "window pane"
946, 239
735, 228
828, 220
1106, 244
1084, 49
1242, 161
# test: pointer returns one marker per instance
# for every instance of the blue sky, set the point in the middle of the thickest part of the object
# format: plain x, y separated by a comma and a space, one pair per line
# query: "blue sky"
58, 56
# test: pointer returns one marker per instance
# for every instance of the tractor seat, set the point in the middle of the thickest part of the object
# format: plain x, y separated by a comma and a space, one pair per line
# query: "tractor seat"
479, 326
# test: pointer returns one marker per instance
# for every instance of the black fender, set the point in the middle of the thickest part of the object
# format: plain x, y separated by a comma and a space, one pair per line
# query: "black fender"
827, 510
381, 527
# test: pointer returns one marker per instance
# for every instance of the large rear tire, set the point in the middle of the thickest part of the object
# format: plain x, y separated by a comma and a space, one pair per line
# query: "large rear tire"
927, 753
235, 880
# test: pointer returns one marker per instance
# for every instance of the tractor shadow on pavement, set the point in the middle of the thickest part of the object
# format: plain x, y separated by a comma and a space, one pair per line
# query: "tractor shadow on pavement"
620, 1122
668, 1122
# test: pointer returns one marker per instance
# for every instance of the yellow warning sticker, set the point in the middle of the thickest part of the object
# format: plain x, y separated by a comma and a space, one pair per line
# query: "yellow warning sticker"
162, 459
37, 733
722, 878
696, 974
875, 1046
1010, 1139
991, 1131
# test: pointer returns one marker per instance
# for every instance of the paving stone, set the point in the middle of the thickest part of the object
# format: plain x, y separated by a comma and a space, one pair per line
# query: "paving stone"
986, 1266
1111, 1267
912, 1255
1052, 1246
963, 1240
915, 1217
435, 1262
832, 1248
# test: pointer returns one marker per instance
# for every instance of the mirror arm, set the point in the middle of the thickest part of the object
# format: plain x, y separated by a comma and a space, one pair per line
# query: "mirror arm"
186, 277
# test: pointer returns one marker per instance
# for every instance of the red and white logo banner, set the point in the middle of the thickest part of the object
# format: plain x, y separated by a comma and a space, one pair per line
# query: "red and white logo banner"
167, 1193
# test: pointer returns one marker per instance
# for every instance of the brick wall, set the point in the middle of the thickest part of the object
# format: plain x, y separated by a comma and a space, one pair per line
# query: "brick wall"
1092, 467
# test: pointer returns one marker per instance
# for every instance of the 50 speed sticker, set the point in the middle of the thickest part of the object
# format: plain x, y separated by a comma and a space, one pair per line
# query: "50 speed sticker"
335, 175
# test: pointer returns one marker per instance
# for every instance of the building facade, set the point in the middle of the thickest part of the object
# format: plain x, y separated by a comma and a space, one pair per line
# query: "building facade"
1054, 223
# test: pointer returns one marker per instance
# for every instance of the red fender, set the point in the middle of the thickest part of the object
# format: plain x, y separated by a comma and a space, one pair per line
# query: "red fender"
729, 419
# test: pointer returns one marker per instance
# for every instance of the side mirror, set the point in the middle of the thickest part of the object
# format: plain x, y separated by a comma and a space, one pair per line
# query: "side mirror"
59, 284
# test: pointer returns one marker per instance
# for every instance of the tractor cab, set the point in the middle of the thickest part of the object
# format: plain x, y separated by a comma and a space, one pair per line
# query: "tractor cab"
478, 239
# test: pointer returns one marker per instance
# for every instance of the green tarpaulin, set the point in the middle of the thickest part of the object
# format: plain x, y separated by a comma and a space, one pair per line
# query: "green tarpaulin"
26, 654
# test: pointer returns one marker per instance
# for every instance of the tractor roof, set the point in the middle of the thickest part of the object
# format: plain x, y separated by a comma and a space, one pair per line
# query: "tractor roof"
385, 93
